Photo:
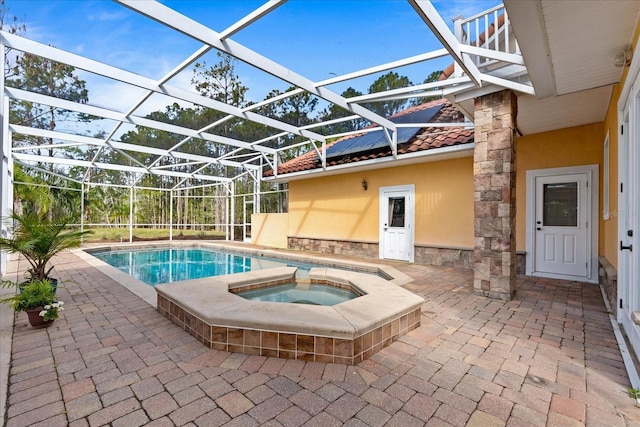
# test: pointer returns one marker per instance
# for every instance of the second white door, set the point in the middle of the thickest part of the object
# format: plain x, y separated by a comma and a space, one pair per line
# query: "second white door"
562, 216
397, 215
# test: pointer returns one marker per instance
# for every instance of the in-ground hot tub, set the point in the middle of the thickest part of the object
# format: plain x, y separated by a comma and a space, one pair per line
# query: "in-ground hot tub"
347, 332
300, 292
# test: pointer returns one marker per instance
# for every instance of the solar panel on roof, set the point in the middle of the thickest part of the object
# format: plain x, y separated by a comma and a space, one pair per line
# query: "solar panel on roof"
377, 139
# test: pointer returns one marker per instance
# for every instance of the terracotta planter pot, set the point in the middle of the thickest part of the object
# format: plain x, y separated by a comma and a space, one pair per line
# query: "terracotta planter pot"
35, 320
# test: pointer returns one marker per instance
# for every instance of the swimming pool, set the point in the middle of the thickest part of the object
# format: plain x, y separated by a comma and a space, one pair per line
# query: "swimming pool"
167, 265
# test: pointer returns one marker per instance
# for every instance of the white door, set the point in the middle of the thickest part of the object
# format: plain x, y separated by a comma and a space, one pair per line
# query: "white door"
562, 228
629, 225
562, 219
396, 228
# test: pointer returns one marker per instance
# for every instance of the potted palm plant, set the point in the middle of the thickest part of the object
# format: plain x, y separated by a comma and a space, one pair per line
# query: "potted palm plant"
39, 239
37, 299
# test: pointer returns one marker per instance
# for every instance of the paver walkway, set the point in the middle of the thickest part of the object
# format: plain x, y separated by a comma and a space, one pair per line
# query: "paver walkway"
547, 358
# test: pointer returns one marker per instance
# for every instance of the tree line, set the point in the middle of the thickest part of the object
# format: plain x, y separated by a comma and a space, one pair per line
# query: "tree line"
43, 188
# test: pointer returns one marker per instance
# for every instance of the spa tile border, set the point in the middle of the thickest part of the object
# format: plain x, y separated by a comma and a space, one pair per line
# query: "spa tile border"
289, 345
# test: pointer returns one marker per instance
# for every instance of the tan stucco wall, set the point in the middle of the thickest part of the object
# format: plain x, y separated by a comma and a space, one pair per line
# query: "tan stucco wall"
337, 208
581, 145
270, 229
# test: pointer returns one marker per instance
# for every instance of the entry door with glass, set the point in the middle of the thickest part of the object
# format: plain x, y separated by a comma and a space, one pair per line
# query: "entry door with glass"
396, 214
562, 214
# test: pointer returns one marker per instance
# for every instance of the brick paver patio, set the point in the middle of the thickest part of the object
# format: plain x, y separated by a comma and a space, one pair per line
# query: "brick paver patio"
548, 358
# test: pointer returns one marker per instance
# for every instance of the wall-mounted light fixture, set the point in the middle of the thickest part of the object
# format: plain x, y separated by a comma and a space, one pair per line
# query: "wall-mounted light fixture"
623, 59
364, 184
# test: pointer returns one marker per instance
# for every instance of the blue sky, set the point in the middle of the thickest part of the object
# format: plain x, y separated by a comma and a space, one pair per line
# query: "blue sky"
314, 38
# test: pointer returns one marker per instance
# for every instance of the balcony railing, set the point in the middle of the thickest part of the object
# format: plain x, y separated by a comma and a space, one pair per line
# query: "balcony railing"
490, 31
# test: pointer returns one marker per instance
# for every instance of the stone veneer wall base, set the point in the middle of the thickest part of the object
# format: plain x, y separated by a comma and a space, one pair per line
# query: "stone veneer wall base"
337, 247
424, 255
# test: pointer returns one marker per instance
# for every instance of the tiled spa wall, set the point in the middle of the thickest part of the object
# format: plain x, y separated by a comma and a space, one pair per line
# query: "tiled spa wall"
290, 345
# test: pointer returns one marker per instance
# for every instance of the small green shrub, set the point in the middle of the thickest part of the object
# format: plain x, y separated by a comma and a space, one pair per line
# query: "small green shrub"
34, 294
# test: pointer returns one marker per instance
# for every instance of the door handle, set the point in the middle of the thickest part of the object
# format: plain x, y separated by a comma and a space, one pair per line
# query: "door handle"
538, 228
622, 247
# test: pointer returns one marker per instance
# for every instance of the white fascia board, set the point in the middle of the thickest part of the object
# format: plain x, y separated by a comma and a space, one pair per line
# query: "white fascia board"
109, 71
527, 23
189, 27
136, 120
434, 21
437, 154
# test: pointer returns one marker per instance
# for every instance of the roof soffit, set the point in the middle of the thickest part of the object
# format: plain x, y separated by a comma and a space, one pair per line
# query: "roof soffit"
570, 46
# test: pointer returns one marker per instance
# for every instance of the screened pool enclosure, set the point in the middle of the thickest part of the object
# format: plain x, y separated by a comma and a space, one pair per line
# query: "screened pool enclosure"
208, 170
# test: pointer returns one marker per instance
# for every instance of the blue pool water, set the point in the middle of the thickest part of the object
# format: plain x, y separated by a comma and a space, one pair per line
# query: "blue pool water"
314, 294
156, 266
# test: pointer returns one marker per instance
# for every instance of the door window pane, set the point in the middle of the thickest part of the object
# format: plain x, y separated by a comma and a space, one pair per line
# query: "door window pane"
560, 204
396, 211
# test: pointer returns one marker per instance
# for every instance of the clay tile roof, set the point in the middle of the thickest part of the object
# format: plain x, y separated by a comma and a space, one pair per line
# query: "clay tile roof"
426, 139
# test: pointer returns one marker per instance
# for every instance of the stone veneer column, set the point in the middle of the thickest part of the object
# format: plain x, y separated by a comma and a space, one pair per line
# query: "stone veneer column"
494, 173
